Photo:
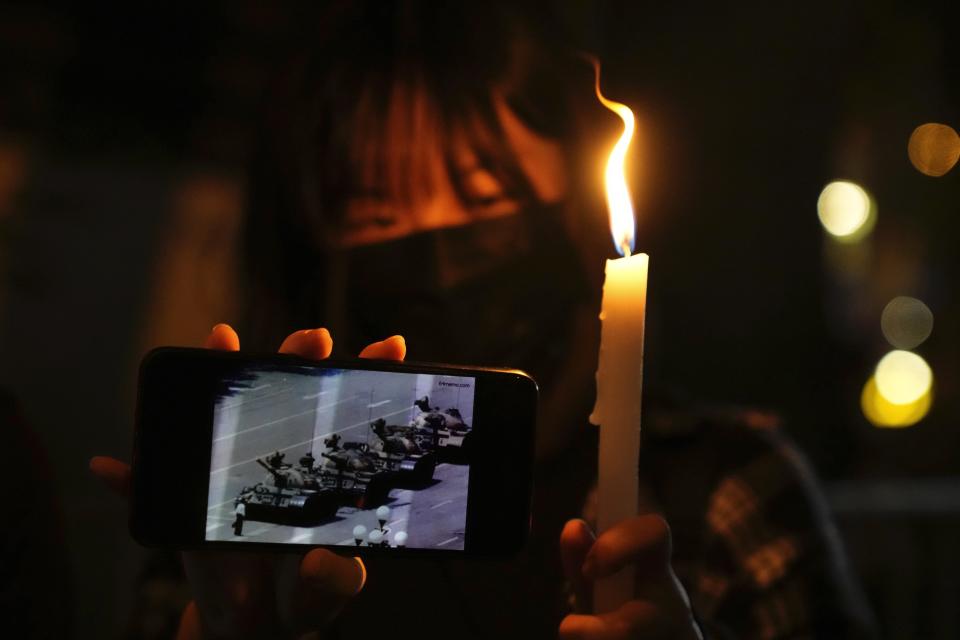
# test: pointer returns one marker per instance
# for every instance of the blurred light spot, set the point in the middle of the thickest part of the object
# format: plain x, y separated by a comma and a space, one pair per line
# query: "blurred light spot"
846, 210
883, 413
933, 148
906, 322
903, 377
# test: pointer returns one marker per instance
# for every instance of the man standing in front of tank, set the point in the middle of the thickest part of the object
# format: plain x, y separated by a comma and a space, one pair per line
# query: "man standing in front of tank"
241, 513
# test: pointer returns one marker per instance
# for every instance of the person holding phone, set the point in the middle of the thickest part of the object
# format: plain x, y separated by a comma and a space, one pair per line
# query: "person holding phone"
419, 175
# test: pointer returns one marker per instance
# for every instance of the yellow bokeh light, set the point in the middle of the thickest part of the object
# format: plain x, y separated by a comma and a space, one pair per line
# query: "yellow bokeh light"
846, 210
934, 148
906, 322
883, 413
903, 377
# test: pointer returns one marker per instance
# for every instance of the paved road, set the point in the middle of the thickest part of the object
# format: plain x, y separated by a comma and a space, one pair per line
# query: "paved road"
293, 414
433, 517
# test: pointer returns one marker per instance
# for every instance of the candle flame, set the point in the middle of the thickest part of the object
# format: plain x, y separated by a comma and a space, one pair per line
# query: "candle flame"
619, 204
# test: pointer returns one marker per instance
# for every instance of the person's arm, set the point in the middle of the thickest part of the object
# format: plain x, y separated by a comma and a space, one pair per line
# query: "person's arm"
34, 566
773, 565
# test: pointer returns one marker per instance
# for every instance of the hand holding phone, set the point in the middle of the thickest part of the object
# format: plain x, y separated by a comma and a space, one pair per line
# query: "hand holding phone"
226, 440
236, 593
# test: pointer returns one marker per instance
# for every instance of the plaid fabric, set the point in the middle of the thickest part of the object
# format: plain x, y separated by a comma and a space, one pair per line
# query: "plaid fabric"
753, 543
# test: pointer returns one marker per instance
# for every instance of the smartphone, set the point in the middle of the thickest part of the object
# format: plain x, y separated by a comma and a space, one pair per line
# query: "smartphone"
241, 451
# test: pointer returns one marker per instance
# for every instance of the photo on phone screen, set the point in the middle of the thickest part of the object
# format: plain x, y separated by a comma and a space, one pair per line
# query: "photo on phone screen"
350, 457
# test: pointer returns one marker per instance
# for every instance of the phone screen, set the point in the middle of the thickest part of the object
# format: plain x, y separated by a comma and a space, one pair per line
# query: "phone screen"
305, 455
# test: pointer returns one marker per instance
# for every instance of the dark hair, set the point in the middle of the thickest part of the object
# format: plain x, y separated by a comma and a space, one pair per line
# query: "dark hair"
417, 70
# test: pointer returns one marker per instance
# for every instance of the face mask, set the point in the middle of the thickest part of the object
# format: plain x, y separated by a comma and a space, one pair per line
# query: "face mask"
497, 292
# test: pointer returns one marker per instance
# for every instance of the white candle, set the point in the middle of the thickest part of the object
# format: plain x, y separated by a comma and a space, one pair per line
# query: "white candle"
620, 368
617, 410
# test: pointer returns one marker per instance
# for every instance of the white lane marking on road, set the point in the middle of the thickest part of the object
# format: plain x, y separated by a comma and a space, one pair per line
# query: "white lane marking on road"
216, 526
244, 400
316, 395
440, 504
377, 404
448, 541
299, 444
263, 386
257, 532
272, 422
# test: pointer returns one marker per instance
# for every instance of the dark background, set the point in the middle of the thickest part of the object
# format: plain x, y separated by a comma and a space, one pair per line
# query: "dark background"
125, 130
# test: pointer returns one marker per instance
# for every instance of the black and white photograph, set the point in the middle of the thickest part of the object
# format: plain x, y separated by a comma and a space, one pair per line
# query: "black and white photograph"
344, 457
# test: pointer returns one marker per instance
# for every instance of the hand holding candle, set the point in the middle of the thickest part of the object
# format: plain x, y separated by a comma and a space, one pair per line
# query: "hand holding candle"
620, 367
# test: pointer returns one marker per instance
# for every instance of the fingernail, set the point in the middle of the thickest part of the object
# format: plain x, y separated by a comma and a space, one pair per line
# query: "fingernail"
307, 332
216, 326
363, 574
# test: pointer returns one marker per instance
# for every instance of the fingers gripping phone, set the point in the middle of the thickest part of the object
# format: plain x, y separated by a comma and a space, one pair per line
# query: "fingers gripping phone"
239, 451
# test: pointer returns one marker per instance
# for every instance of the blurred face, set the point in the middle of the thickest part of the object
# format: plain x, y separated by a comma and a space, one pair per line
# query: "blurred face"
373, 216
445, 184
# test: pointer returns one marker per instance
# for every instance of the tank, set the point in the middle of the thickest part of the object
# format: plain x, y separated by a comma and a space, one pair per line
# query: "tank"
354, 474
443, 431
399, 450
288, 495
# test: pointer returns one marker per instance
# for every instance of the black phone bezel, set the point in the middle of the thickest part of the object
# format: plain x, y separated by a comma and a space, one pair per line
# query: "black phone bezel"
173, 439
